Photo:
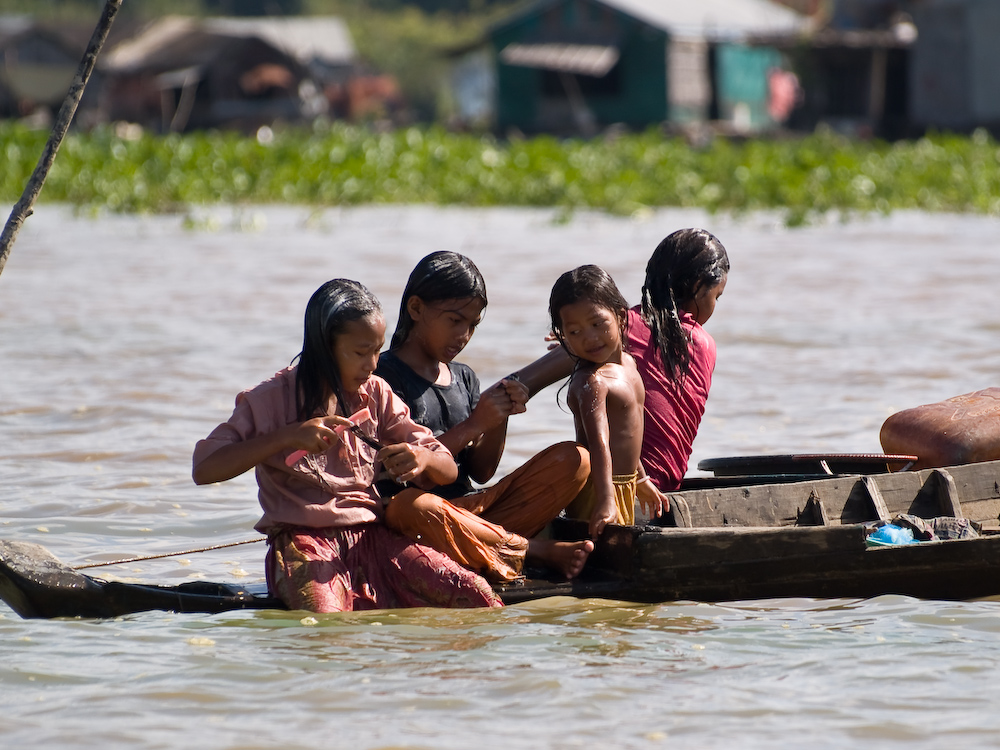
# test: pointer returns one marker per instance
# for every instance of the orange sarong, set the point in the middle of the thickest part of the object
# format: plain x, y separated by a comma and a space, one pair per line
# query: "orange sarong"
488, 531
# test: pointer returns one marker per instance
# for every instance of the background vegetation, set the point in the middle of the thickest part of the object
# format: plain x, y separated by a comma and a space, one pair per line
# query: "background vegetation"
337, 164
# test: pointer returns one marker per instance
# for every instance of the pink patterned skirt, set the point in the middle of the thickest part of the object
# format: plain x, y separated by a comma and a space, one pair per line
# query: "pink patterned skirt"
368, 566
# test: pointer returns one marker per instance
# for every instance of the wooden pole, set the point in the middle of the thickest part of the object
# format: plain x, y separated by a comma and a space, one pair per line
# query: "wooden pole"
24, 207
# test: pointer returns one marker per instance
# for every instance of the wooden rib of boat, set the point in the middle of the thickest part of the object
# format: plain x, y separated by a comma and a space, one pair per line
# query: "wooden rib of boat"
725, 539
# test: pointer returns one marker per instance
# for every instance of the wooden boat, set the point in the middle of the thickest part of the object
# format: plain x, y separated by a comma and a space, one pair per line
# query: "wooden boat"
727, 538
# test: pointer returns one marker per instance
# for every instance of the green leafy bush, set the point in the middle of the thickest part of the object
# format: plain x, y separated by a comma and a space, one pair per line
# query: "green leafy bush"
338, 164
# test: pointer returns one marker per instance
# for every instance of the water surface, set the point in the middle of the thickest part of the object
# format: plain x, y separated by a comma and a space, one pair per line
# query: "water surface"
123, 340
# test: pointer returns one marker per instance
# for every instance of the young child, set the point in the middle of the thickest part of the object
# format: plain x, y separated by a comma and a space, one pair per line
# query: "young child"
685, 277
329, 549
492, 530
606, 395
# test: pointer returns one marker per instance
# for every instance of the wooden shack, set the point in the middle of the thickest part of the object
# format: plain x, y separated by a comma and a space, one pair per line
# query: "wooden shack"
178, 75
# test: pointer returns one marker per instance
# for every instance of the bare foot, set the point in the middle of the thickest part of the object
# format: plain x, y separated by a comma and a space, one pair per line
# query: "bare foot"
567, 557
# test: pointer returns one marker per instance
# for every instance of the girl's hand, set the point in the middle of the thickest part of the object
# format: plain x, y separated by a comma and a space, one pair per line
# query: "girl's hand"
653, 502
403, 461
518, 394
313, 436
553, 341
603, 514
494, 406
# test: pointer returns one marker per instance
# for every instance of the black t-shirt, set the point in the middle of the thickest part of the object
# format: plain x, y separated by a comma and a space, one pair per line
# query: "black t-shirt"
437, 407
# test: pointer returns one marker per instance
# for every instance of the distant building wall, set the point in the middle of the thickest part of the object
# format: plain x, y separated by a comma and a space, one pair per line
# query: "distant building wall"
644, 95
954, 81
984, 61
474, 87
36, 69
689, 80
742, 84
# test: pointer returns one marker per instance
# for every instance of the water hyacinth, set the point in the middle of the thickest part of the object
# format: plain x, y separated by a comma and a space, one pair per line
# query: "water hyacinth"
127, 170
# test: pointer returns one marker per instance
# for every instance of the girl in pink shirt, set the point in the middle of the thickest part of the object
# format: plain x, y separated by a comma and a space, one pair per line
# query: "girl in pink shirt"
329, 549
685, 276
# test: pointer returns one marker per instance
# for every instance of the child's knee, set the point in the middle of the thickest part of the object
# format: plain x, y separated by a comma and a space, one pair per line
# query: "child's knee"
574, 456
410, 505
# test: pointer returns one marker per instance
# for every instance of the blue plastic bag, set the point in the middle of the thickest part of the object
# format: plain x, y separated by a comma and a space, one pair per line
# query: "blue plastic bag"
890, 534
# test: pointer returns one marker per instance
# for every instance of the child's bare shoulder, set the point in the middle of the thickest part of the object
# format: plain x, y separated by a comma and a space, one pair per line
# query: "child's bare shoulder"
621, 382
629, 366
601, 380
616, 375
586, 379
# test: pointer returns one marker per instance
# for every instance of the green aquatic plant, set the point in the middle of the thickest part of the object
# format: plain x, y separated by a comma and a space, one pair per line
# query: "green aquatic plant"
128, 170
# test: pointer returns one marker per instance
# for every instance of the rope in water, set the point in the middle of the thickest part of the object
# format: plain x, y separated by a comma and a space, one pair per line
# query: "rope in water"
171, 554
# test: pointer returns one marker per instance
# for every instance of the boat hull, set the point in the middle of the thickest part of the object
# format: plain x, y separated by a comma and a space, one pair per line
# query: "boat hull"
758, 540
730, 564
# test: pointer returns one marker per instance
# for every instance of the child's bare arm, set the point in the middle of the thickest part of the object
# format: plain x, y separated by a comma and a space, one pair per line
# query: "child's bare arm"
484, 432
504, 399
484, 454
314, 436
590, 398
546, 370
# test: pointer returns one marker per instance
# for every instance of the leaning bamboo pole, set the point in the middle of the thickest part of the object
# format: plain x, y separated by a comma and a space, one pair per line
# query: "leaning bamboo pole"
24, 207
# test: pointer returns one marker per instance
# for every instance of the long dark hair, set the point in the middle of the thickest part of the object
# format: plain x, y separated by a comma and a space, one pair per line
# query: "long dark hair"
586, 284
682, 263
442, 275
330, 308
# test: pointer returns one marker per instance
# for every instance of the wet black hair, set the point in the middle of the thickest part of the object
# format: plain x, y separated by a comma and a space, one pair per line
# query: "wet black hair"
586, 284
330, 308
684, 262
440, 276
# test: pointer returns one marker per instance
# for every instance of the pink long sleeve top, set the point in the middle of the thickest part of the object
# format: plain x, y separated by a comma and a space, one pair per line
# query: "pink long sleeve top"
320, 490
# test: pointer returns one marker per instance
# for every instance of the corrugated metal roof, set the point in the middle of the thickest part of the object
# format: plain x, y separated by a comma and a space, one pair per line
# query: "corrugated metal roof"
586, 59
135, 51
714, 18
304, 38
704, 19
325, 38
